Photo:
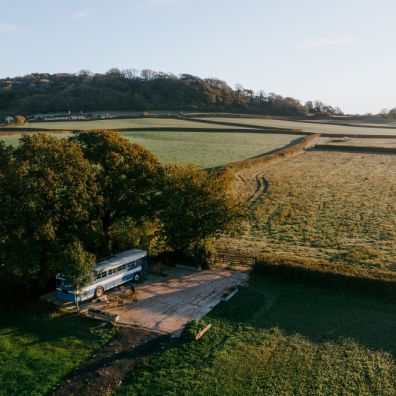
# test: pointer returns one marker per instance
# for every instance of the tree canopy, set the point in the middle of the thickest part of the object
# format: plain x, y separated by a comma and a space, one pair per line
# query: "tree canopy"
47, 197
197, 206
66, 203
127, 90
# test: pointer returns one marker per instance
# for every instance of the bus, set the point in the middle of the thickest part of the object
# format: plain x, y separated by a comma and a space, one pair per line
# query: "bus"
123, 267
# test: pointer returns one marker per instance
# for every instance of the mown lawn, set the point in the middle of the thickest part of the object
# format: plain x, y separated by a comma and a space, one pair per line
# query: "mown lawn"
278, 338
39, 346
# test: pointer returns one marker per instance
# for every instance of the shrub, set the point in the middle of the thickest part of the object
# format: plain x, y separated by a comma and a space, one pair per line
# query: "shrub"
203, 254
193, 328
20, 120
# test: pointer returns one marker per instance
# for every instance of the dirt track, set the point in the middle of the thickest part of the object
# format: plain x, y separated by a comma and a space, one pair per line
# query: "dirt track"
106, 369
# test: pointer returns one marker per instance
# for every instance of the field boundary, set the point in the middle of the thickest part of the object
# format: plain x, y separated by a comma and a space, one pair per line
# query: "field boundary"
290, 118
354, 149
268, 159
328, 275
249, 126
271, 130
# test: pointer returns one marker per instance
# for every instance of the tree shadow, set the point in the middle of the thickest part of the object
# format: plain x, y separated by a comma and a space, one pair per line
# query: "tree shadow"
319, 314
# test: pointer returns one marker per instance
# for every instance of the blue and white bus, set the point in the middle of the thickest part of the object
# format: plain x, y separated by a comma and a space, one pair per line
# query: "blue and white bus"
111, 272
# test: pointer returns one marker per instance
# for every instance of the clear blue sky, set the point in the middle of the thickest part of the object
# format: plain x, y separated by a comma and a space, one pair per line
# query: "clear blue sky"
339, 51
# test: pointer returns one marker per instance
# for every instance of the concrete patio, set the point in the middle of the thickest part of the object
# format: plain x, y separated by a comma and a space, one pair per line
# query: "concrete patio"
166, 304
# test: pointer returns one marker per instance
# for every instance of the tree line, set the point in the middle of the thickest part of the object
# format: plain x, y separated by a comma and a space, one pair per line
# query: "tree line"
148, 90
66, 203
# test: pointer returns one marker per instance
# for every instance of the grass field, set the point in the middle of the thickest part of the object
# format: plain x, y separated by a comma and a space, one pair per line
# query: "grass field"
208, 149
312, 127
330, 206
39, 347
13, 139
122, 123
275, 338
204, 149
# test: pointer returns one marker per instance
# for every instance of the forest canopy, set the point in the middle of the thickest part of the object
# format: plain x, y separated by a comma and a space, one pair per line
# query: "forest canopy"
148, 90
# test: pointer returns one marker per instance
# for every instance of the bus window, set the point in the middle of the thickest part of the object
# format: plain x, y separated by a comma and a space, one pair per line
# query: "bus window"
131, 265
101, 274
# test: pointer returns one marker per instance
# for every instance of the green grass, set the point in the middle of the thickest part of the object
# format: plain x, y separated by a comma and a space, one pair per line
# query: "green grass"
208, 149
38, 347
276, 339
121, 123
203, 149
306, 126
13, 139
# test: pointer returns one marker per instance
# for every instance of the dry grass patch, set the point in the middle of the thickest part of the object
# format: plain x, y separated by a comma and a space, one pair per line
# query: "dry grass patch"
337, 207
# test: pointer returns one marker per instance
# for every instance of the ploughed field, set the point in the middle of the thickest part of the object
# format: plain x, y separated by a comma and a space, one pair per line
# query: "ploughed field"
203, 149
331, 206
277, 338
313, 127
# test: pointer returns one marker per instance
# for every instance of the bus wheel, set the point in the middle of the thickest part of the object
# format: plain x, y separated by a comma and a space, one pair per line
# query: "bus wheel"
99, 292
136, 277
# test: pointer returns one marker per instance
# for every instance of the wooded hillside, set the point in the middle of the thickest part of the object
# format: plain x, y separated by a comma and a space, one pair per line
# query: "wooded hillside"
148, 90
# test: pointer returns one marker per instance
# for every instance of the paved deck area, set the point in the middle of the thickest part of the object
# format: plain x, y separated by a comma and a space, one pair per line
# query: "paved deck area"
166, 304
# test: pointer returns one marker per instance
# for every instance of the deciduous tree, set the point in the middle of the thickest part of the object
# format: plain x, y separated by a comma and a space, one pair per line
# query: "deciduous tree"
197, 207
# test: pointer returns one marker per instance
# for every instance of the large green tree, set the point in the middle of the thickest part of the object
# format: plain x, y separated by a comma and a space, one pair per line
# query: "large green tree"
197, 207
47, 194
128, 178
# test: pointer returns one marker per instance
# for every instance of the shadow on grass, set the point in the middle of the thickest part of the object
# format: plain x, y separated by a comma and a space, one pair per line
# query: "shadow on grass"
41, 322
319, 314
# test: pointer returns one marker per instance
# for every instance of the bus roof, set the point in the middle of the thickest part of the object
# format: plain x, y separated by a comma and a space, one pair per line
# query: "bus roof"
120, 259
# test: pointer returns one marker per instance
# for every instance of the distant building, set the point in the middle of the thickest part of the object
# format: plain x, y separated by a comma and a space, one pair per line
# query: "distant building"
9, 120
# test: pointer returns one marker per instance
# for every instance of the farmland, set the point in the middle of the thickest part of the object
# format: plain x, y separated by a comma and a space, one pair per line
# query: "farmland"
312, 127
39, 346
277, 338
329, 206
204, 149
123, 123
208, 149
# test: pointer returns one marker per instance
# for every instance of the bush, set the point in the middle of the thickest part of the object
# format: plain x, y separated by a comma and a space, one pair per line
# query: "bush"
203, 254
193, 328
20, 120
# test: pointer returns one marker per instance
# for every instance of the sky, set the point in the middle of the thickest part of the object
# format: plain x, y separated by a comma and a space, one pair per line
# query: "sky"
341, 51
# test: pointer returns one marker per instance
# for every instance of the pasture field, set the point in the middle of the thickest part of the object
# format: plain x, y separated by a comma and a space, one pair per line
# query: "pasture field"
203, 149
39, 346
13, 139
277, 338
313, 127
122, 123
208, 149
326, 206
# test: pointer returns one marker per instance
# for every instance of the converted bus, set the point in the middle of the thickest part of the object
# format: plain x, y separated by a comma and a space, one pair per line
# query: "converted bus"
123, 267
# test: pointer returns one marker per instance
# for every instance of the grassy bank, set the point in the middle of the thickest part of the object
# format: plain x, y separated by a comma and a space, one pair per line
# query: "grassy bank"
277, 338
39, 346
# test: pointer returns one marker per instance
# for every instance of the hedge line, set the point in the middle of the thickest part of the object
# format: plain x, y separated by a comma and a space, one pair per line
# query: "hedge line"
330, 275
267, 159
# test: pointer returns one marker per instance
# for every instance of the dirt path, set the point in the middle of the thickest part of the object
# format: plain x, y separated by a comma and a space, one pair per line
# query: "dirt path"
104, 371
